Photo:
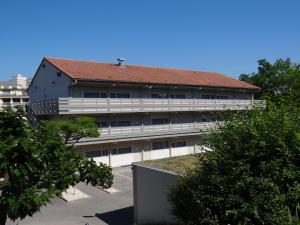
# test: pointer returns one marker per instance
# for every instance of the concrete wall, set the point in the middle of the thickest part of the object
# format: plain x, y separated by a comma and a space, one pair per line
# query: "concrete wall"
150, 191
142, 150
47, 85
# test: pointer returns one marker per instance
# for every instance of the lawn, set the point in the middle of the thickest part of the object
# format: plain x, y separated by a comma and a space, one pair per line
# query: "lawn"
179, 165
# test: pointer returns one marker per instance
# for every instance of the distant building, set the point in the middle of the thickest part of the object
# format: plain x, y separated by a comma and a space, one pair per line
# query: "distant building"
143, 113
13, 92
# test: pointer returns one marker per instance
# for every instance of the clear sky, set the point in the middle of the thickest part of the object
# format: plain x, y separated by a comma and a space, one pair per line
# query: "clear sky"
213, 35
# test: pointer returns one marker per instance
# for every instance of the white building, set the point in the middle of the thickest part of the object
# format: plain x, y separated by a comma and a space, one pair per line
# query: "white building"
13, 92
142, 112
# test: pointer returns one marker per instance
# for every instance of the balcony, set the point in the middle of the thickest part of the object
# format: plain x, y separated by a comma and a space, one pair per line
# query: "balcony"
131, 133
12, 104
63, 106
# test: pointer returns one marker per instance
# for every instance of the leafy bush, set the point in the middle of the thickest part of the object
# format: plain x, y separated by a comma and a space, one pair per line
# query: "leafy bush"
252, 176
37, 165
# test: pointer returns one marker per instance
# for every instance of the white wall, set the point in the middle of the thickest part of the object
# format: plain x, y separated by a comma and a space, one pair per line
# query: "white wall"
47, 85
142, 150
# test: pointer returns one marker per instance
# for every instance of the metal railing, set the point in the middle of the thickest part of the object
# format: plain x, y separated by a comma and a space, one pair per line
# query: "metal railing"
151, 131
127, 105
13, 104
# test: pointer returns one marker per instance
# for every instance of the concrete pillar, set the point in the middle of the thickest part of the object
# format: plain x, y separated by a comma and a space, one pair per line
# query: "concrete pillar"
142, 154
170, 151
109, 158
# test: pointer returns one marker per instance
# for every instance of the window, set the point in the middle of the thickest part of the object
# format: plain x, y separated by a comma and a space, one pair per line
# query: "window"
113, 123
180, 144
93, 154
177, 96
208, 97
157, 145
104, 152
158, 95
119, 95
160, 145
114, 151
103, 95
58, 74
104, 124
120, 123
221, 97
124, 150
123, 95
160, 121
123, 123
91, 95
16, 100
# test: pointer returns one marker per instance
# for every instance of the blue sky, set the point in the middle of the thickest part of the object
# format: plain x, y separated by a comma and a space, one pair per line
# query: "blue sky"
223, 36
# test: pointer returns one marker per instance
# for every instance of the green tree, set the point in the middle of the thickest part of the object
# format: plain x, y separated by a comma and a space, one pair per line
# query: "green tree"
278, 82
252, 176
37, 165
71, 130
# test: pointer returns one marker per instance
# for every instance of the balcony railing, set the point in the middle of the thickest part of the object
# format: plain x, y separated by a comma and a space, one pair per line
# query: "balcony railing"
150, 131
128, 105
12, 104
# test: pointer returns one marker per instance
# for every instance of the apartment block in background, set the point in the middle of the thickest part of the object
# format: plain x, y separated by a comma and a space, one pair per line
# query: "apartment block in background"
13, 92
143, 113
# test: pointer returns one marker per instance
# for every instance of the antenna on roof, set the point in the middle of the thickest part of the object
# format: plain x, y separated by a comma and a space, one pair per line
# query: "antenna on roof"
121, 61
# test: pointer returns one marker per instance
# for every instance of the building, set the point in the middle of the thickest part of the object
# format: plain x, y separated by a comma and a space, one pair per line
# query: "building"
13, 92
142, 112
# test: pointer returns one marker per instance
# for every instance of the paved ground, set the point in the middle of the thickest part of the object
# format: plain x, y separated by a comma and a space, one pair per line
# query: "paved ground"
92, 206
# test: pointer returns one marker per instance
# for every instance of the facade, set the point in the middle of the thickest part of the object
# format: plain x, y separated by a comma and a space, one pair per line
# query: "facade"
13, 92
142, 112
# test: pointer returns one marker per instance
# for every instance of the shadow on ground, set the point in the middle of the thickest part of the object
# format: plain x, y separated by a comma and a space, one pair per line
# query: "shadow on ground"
120, 216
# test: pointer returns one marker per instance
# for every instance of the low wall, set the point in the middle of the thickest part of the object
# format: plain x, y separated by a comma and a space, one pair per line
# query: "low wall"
150, 191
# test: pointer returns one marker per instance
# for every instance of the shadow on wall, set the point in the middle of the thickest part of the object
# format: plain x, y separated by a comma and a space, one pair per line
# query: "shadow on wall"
120, 216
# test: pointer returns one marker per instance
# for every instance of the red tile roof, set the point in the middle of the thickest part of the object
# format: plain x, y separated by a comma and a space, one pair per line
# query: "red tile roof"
88, 70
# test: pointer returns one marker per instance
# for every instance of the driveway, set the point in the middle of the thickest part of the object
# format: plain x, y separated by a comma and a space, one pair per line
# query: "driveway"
90, 205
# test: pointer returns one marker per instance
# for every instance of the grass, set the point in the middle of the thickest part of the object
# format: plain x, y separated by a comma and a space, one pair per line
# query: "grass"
179, 165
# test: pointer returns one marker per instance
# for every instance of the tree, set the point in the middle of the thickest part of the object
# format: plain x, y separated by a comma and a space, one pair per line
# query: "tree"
71, 130
252, 176
278, 82
37, 165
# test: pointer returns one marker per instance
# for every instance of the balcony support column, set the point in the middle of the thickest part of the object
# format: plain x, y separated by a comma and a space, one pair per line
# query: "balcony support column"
109, 158
170, 151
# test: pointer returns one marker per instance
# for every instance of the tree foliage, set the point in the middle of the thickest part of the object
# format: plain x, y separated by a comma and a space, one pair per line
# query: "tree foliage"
278, 82
37, 165
71, 130
252, 176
